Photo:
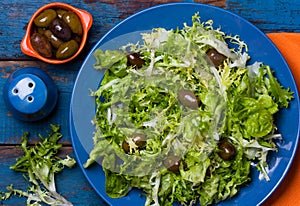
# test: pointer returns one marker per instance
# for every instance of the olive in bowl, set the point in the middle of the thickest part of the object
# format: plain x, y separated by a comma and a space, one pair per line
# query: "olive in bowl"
56, 33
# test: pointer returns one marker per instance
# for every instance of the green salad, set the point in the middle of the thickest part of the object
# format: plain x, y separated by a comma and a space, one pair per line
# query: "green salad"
182, 116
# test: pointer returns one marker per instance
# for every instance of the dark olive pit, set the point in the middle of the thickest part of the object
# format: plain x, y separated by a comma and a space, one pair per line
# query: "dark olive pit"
56, 33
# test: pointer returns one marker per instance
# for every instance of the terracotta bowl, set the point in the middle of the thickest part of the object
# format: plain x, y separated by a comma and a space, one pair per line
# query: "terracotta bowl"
86, 21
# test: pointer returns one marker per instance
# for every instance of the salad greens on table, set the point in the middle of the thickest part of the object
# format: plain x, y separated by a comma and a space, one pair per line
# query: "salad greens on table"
40, 163
182, 116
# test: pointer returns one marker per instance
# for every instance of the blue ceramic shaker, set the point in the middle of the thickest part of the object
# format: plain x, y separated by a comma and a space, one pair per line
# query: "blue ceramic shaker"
30, 94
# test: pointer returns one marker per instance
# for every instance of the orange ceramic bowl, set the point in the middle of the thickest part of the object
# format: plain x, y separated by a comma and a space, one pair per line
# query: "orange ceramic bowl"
86, 21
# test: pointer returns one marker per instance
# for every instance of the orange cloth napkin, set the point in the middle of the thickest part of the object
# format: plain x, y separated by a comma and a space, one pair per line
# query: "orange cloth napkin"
288, 192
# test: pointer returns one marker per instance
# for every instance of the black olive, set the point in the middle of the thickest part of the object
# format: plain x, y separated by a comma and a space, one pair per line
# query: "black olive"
226, 150
139, 140
60, 29
172, 163
41, 45
125, 147
188, 98
134, 59
216, 58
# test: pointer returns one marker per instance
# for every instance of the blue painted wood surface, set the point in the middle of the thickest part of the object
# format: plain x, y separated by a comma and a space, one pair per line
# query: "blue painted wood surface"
267, 15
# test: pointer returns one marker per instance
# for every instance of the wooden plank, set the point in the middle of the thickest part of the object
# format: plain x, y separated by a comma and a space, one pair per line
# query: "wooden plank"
218, 3
106, 14
269, 15
71, 182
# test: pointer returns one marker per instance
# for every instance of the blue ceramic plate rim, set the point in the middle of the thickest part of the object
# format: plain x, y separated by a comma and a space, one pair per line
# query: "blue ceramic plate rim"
258, 190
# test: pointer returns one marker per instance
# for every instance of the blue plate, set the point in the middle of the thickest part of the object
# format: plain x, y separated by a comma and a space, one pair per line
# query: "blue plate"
170, 16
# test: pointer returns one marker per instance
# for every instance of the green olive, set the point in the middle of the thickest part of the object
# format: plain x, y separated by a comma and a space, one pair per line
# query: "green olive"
60, 13
45, 18
188, 99
56, 42
73, 22
41, 30
41, 45
67, 49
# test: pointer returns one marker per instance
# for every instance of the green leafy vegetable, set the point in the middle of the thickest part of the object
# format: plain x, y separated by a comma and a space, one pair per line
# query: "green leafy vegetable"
40, 163
236, 104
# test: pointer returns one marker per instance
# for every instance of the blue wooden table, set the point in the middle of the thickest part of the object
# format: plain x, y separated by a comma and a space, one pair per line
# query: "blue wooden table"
267, 15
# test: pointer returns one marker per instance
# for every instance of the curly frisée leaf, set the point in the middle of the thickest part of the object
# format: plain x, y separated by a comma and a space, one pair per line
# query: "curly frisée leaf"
40, 163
